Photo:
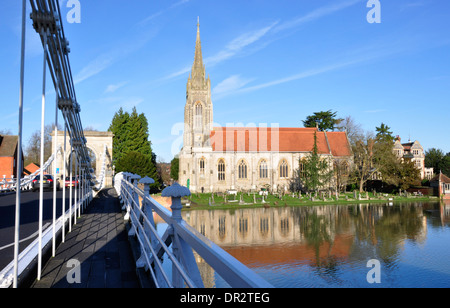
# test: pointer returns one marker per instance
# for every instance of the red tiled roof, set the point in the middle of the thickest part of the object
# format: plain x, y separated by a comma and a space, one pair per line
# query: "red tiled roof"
339, 144
441, 178
32, 167
283, 139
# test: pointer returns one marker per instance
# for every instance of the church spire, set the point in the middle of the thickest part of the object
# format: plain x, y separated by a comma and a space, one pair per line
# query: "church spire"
198, 69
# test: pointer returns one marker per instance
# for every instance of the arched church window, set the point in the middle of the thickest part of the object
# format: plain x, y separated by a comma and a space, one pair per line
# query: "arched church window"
242, 169
263, 170
221, 170
198, 115
283, 169
301, 168
202, 165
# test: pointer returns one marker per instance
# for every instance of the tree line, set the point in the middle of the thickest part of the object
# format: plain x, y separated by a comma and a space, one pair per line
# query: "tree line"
373, 158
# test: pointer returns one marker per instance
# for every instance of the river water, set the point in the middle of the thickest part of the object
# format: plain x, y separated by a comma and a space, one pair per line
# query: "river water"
333, 245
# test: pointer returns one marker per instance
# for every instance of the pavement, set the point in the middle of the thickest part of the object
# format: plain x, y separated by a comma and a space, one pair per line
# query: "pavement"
96, 253
29, 219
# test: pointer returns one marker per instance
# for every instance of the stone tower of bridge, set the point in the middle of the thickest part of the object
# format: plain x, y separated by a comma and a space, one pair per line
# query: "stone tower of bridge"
96, 142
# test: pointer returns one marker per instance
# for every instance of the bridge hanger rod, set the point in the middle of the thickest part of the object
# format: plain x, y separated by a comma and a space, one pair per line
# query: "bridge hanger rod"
47, 14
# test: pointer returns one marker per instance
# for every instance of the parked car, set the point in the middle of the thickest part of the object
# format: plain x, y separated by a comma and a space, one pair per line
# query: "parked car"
75, 182
47, 183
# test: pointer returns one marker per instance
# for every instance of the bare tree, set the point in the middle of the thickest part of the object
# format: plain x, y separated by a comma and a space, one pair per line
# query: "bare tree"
353, 129
341, 173
364, 158
5, 131
33, 148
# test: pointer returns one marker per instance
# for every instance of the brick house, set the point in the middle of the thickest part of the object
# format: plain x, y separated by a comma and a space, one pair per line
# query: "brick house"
415, 152
8, 156
441, 183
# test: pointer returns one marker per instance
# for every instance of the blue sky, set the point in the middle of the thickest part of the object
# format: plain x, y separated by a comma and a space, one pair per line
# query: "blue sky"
269, 62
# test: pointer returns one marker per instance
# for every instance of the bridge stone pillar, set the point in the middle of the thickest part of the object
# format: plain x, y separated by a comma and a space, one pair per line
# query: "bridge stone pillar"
96, 142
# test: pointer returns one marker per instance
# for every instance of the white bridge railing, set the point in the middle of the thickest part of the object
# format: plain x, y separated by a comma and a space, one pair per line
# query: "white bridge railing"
178, 242
82, 197
10, 184
101, 179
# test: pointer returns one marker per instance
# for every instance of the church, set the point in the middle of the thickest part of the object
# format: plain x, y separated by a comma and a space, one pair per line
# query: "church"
215, 159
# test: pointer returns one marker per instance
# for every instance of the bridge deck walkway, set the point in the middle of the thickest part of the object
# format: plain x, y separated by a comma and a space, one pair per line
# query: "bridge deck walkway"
99, 241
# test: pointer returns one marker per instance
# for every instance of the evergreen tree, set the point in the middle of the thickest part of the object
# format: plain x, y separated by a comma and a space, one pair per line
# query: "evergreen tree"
140, 164
433, 158
174, 168
119, 128
384, 134
444, 165
325, 120
137, 134
316, 170
130, 139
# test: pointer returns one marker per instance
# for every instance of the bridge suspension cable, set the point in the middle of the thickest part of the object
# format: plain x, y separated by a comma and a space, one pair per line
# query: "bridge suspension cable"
47, 22
46, 16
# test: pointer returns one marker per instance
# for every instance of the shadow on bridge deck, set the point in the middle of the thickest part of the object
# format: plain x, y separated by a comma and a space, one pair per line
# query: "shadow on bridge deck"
99, 241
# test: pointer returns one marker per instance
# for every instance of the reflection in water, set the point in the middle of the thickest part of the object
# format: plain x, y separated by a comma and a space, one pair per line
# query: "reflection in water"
325, 246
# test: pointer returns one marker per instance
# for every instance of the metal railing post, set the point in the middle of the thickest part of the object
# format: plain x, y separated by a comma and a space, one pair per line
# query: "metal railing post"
41, 174
77, 180
64, 189
55, 160
82, 192
71, 184
127, 195
176, 192
147, 210
19, 150
134, 202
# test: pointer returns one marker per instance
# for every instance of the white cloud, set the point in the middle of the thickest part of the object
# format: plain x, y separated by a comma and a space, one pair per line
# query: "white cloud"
94, 67
237, 44
248, 38
301, 75
122, 49
229, 85
15, 114
154, 15
408, 5
316, 14
231, 49
114, 87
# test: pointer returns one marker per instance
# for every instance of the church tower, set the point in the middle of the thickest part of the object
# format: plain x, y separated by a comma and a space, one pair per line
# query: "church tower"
198, 112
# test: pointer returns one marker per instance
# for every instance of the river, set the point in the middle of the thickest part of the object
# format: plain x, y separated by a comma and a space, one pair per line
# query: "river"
334, 245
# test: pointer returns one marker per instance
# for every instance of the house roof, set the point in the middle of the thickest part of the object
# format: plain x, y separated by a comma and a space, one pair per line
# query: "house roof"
283, 139
8, 145
441, 178
407, 146
32, 167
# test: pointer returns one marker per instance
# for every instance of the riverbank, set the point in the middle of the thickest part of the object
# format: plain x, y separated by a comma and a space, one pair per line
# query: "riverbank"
244, 200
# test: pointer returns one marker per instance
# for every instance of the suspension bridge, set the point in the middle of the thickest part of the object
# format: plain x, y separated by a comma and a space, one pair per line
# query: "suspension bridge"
98, 234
